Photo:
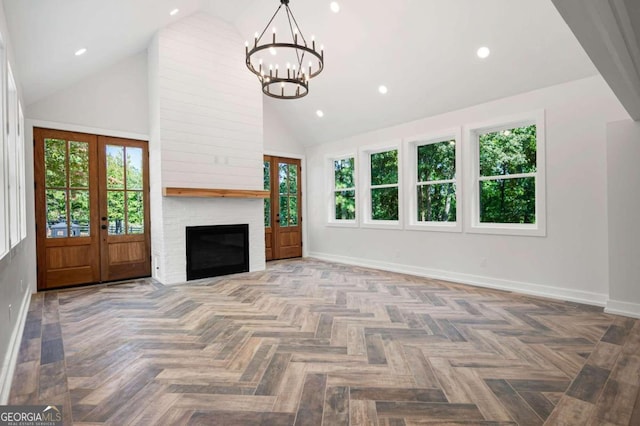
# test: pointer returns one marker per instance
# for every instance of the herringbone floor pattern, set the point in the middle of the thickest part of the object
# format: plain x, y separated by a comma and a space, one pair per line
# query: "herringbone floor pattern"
311, 343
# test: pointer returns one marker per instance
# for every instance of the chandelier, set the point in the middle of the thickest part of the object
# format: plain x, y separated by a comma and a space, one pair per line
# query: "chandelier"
284, 67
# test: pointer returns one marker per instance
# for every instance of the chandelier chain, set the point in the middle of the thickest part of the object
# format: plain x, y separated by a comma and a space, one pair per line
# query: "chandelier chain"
300, 60
270, 21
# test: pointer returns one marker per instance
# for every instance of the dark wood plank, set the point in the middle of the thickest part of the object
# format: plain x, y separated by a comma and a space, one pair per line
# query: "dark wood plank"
257, 363
589, 383
52, 351
515, 405
539, 385
615, 335
396, 394
324, 326
540, 404
375, 349
427, 410
312, 400
273, 376
336, 406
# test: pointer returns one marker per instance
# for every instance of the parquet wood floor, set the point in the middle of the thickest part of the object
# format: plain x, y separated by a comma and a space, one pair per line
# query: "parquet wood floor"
314, 343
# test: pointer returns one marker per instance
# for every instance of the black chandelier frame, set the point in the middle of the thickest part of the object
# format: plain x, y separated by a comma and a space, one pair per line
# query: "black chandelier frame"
297, 76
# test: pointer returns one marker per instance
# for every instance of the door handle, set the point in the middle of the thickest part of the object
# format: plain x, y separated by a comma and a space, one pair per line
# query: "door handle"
104, 227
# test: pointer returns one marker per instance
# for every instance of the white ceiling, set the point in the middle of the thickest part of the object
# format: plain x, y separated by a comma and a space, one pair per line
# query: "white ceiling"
423, 50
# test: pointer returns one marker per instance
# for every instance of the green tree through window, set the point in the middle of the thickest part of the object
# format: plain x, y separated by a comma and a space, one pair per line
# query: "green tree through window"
384, 185
436, 182
344, 189
507, 182
125, 196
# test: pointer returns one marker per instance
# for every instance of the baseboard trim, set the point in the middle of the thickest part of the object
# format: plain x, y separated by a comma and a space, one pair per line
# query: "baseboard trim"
11, 357
626, 309
584, 297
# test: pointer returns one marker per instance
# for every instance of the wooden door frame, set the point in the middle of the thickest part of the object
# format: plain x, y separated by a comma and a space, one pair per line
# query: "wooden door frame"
102, 142
268, 232
303, 187
40, 202
34, 127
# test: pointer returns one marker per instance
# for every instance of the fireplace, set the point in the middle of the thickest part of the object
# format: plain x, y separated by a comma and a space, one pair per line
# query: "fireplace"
217, 250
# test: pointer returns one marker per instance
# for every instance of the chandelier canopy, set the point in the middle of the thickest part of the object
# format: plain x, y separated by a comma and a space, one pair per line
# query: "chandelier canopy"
284, 65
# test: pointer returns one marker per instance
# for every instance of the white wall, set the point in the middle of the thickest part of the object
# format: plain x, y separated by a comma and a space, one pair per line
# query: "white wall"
114, 99
623, 155
571, 262
17, 269
277, 137
206, 133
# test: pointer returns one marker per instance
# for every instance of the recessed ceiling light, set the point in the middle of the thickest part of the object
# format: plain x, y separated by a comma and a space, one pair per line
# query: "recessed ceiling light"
383, 90
319, 113
82, 51
483, 52
335, 7
174, 12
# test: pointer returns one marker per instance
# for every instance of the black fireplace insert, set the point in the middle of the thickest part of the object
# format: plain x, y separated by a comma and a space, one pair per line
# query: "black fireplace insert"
213, 251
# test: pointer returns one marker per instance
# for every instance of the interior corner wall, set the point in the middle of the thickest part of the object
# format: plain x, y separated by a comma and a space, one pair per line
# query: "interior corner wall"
569, 263
18, 268
207, 132
114, 99
623, 200
155, 160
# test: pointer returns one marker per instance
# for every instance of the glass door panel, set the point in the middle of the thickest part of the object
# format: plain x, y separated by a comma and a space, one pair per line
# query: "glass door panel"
125, 190
67, 189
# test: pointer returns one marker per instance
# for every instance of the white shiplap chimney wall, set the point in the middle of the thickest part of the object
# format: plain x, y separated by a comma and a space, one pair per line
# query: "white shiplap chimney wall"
206, 132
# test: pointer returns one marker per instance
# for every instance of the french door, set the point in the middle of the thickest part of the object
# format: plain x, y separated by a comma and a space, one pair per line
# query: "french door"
283, 210
92, 208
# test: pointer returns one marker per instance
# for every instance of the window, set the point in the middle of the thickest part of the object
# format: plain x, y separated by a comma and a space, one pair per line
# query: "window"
343, 205
22, 177
13, 160
4, 230
382, 196
509, 177
434, 194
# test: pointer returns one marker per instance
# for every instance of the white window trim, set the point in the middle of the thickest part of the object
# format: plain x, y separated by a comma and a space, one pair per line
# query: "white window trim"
13, 185
4, 173
472, 210
331, 185
22, 175
411, 151
365, 178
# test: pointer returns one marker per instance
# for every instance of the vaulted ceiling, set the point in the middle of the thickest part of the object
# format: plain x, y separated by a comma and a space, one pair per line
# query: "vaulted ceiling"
424, 51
